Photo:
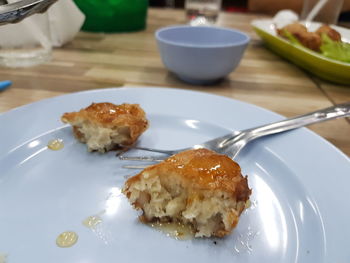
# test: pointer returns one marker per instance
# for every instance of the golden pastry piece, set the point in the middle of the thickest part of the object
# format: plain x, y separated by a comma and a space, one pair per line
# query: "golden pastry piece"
199, 188
104, 126
294, 29
330, 32
310, 40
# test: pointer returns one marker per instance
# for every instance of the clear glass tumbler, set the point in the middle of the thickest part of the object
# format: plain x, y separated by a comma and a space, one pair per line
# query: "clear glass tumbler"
326, 11
26, 43
202, 12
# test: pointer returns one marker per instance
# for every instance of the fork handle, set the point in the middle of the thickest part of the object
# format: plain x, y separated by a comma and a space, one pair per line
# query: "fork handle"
17, 11
337, 111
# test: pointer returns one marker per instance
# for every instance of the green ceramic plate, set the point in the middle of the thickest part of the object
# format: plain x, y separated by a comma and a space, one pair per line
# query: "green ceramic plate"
317, 64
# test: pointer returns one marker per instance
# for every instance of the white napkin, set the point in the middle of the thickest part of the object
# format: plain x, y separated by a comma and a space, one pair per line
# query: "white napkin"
65, 21
285, 17
55, 27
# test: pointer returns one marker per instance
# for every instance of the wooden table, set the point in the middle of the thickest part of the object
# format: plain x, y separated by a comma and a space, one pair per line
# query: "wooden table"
94, 61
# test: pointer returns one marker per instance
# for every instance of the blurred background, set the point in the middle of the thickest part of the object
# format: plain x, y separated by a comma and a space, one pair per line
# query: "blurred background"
253, 6
227, 5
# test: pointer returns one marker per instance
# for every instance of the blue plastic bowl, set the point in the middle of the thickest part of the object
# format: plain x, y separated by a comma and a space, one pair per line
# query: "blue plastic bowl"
201, 55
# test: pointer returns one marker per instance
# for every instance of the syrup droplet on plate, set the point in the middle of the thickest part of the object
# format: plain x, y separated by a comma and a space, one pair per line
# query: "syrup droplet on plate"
247, 204
67, 239
243, 241
3, 258
175, 230
55, 145
92, 221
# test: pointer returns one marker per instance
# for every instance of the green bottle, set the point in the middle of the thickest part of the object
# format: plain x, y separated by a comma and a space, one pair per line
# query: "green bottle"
113, 15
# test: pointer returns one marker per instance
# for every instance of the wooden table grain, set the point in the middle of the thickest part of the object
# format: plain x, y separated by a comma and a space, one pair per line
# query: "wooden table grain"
94, 61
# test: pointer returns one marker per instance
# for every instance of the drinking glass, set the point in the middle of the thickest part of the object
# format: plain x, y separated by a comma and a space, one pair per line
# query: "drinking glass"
202, 12
26, 43
326, 11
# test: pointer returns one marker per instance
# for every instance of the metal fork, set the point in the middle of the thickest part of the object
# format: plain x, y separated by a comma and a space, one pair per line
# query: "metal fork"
232, 143
17, 11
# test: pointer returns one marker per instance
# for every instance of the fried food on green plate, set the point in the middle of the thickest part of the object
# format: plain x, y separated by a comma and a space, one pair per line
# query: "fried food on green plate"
330, 32
298, 31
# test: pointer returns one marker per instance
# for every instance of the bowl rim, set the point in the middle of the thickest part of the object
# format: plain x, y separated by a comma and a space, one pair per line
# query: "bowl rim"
245, 41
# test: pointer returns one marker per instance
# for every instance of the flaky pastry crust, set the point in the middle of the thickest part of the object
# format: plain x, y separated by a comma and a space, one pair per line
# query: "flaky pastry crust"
196, 187
106, 125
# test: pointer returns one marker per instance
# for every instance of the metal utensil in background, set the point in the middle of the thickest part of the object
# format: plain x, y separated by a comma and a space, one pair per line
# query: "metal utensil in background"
324, 11
231, 144
15, 12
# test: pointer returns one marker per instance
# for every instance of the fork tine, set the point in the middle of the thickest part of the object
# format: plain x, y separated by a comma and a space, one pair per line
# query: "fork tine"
121, 151
153, 150
143, 158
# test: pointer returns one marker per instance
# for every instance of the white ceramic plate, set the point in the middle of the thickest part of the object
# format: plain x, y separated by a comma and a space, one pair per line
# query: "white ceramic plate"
300, 186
